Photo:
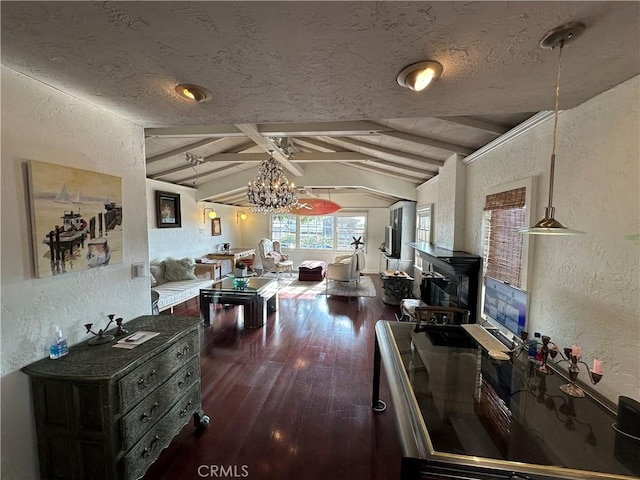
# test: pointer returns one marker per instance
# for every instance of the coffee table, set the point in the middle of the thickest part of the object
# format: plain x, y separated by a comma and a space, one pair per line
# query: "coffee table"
258, 298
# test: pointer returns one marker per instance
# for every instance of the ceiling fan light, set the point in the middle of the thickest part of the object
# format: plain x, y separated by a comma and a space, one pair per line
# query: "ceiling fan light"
193, 92
419, 75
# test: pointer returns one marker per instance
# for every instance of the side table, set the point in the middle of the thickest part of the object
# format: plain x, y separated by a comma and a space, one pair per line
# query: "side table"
396, 287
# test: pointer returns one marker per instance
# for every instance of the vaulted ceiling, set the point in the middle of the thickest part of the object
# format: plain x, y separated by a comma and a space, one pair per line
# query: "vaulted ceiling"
315, 82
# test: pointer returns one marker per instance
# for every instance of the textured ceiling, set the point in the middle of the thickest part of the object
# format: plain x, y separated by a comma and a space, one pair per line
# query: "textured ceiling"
284, 67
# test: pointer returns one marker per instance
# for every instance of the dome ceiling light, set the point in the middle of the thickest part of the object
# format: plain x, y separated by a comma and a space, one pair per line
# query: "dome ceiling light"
193, 92
419, 75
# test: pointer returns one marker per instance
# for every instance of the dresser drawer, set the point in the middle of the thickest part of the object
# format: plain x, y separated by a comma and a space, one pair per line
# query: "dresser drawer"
135, 423
147, 450
149, 376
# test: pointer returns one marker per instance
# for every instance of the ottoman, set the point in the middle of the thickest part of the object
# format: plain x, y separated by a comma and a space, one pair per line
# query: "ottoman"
312, 271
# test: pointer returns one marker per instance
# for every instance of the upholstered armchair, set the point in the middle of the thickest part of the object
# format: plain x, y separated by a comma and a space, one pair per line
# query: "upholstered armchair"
346, 268
273, 260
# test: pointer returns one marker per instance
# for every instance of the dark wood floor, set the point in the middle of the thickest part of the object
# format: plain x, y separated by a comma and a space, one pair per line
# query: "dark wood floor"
291, 400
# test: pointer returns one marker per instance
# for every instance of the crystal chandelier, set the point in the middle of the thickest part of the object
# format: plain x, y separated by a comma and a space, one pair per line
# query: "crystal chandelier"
271, 191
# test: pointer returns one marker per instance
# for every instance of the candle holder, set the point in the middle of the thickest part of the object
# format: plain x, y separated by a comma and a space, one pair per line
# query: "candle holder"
100, 337
572, 388
121, 331
545, 351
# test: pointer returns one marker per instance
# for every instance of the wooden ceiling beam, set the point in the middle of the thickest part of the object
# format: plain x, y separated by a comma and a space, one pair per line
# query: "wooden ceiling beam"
429, 142
393, 153
207, 173
316, 144
251, 131
183, 149
335, 129
485, 126
347, 156
195, 131
371, 168
234, 151
398, 166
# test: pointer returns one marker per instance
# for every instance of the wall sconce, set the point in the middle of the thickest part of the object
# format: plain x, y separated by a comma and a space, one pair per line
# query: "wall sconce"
212, 214
241, 216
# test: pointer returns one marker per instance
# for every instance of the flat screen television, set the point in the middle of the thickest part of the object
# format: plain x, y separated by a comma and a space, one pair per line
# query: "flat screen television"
505, 305
390, 247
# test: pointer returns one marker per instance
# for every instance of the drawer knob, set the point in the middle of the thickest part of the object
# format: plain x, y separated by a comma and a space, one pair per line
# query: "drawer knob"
185, 350
147, 450
184, 411
182, 383
143, 383
145, 417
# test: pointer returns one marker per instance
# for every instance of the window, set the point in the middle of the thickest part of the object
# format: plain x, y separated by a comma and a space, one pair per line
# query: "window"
423, 230
283, 229
504, 215
349, 226
318, 232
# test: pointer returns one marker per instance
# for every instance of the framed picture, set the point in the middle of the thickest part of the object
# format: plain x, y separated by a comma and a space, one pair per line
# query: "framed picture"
168, 210
216, 227
76, 218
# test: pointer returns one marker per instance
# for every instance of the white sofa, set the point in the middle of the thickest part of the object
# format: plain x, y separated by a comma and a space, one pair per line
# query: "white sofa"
169, 285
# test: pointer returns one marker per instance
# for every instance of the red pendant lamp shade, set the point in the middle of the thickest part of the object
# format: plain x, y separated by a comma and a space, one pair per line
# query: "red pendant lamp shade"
315, 206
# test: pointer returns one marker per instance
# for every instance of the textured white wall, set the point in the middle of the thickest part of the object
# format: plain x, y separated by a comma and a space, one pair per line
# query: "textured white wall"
451, 209
193, 239
584, 289
41, 123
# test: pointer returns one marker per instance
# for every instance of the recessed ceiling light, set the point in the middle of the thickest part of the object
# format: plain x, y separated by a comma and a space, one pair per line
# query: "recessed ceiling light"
419, 75
193, 92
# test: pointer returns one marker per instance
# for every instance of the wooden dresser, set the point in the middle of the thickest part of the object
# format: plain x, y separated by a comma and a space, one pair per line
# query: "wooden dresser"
107, 413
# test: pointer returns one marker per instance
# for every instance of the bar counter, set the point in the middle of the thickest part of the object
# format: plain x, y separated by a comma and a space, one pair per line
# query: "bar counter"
461, 414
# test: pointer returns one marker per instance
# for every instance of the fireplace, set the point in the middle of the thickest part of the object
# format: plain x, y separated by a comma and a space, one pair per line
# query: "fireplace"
450, 278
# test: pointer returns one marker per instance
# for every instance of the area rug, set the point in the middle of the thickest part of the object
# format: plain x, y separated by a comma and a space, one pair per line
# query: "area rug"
293, 288
363, 288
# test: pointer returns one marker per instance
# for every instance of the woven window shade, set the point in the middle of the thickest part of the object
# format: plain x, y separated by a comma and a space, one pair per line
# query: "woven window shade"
504, 215
506, 200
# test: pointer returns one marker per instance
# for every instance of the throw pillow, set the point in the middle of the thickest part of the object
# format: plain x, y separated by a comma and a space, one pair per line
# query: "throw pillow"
153, 280
275, 255
177, 270
157, 270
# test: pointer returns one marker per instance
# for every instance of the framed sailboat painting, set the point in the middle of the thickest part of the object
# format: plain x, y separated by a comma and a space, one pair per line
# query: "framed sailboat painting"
76, 219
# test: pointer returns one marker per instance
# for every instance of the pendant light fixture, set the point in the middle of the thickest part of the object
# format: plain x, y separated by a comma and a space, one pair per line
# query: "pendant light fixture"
556, 38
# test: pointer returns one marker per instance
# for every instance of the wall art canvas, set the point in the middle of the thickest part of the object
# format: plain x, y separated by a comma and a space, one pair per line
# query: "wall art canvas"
76, 219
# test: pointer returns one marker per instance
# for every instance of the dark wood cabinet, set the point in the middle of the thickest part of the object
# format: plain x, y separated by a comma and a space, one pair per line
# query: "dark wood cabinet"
107, 413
